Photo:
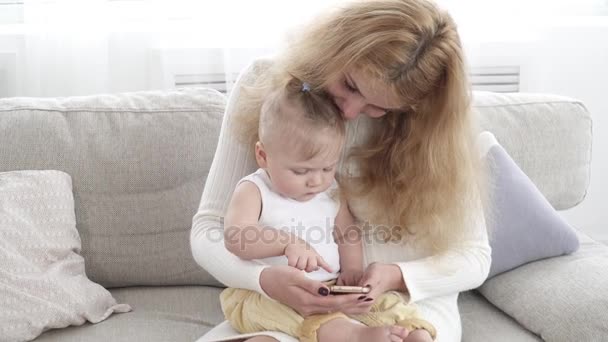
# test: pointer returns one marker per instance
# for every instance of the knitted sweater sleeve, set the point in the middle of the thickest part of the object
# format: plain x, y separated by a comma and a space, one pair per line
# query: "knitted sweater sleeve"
462, 267
232, 161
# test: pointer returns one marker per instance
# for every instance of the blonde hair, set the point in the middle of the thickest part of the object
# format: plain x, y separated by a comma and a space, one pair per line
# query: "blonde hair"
420, 169
305, 119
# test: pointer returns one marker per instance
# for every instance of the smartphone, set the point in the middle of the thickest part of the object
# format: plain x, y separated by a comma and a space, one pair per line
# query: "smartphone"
338, 289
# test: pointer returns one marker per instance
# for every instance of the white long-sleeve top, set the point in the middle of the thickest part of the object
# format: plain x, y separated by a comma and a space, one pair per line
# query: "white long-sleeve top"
433, 281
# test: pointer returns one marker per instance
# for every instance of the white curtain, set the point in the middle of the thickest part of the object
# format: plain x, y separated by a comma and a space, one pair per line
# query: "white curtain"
78, 47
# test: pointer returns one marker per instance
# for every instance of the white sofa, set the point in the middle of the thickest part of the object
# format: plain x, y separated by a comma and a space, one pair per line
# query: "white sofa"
139, 161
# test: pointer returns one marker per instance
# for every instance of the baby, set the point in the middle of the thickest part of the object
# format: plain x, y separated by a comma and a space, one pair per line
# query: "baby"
289, 212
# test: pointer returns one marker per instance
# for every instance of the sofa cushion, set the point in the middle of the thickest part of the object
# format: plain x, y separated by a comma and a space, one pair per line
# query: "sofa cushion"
169, 313
560, 299
483, 322
185, 313
138, 162
43, 284
548, 136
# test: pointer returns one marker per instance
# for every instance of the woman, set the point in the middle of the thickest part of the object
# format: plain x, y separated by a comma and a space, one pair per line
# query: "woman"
395, 69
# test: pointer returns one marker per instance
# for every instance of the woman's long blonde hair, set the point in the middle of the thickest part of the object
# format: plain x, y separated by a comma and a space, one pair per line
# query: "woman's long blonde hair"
420, 170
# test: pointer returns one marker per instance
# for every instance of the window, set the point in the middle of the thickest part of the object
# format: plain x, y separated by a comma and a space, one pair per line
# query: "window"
11, 12
526, 8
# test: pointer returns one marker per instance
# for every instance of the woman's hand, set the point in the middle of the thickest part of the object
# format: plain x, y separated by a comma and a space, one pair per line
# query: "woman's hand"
382, 278
291, 287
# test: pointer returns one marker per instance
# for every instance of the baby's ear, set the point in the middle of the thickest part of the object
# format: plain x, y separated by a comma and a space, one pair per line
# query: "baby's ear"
260, 155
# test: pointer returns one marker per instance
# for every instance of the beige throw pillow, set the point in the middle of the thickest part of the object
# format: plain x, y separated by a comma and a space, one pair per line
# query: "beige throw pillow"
43, 284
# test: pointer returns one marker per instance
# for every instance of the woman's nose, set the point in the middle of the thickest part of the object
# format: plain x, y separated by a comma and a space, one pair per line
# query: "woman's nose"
351, 108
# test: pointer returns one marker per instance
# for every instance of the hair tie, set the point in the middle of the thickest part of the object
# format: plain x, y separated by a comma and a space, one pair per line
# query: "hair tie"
305, 87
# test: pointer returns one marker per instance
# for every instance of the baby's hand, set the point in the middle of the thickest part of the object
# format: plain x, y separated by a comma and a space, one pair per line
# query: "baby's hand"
350, 277
302, 256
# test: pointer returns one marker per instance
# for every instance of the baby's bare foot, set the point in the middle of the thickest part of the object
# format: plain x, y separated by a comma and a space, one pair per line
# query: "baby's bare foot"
343, 330
419, 335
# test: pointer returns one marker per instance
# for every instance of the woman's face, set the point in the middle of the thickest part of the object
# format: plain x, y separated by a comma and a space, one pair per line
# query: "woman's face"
354, 93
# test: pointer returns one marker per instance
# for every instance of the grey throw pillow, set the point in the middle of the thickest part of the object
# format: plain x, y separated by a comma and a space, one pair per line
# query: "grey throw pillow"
523, 225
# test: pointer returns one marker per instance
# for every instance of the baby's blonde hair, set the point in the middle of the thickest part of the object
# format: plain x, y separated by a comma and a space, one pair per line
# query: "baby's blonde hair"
420, 170
302, 118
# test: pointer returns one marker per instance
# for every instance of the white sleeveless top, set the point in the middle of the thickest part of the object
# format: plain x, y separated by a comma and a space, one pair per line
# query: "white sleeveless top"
311, 221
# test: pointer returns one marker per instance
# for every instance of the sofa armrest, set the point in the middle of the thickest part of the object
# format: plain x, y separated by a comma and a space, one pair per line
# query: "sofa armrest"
560, 299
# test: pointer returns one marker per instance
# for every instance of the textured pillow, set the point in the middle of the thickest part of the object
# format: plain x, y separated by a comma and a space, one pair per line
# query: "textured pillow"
43, 284
523, 225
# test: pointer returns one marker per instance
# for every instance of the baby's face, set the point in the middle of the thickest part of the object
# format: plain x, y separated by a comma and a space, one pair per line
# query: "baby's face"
300, 179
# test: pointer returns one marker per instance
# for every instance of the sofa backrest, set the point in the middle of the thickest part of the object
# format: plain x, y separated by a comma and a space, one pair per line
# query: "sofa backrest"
549, 137
139, 161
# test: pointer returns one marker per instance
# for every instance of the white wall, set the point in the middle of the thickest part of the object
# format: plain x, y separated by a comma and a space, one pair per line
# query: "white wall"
578, 67
570, 60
